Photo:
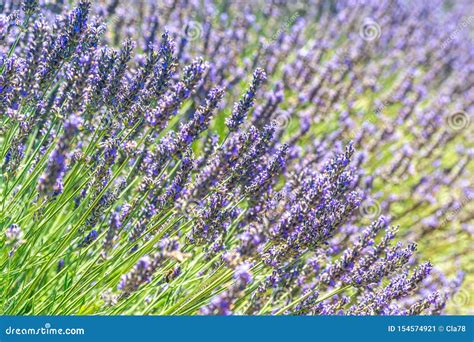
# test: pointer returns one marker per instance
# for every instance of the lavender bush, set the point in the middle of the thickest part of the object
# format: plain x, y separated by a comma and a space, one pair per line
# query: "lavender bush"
226, 158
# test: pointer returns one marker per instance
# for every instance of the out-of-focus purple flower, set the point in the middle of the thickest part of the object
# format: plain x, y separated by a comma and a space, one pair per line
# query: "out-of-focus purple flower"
13, 233
91, 237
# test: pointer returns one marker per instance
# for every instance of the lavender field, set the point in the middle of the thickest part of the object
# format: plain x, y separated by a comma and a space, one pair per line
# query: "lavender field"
236, 157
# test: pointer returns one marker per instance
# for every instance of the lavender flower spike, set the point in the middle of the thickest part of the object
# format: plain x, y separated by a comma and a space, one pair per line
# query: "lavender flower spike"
241, 108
